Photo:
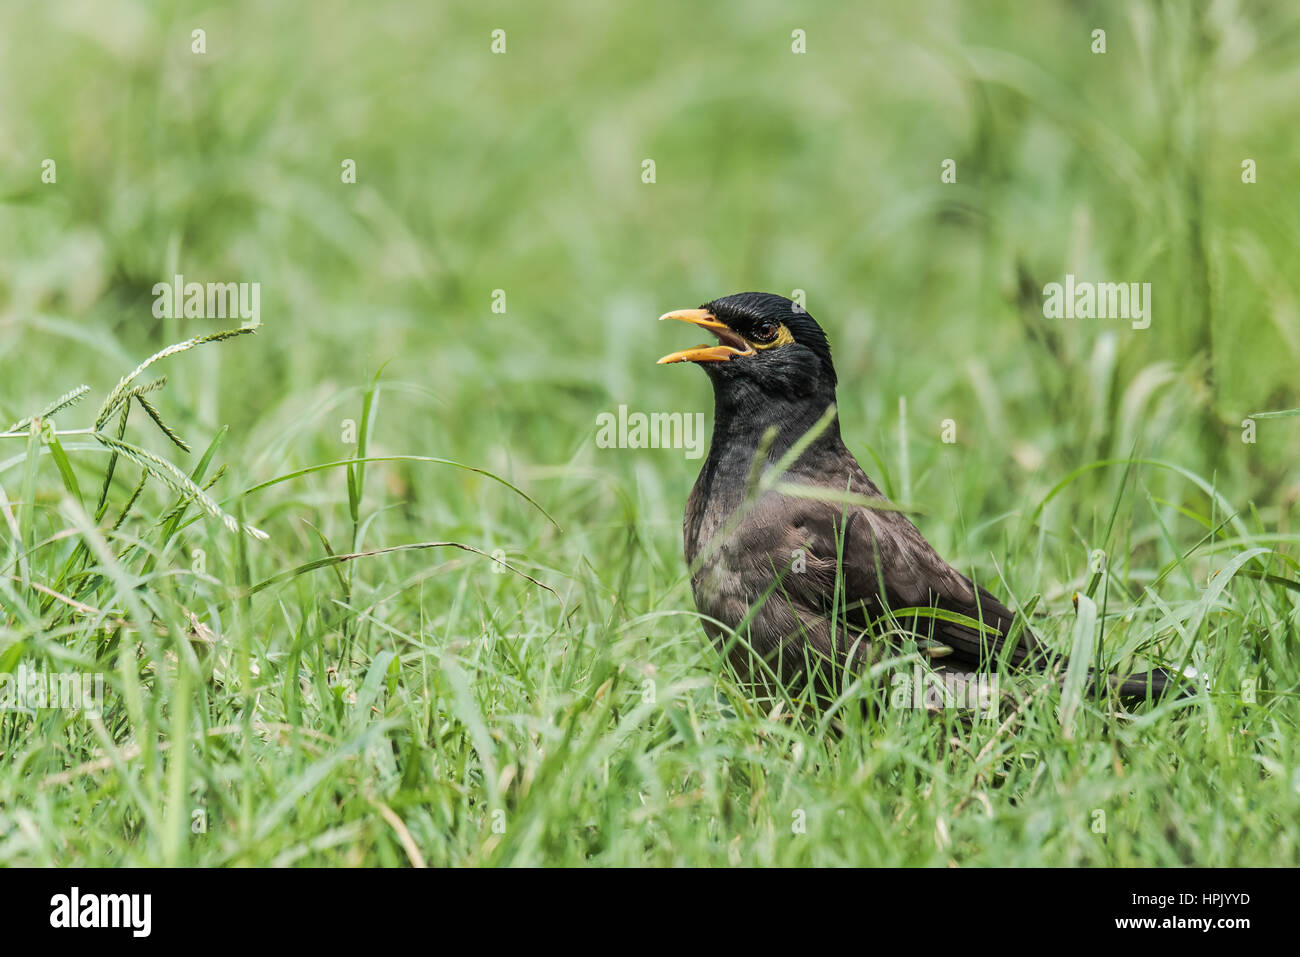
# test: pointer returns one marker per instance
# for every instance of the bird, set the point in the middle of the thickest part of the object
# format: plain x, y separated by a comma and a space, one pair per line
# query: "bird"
801, 569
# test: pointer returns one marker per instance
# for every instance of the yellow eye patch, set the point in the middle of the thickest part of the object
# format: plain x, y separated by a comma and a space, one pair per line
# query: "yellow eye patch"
784, 337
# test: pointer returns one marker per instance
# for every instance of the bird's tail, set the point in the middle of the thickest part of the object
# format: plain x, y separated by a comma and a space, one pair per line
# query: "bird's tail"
1155, 684
1031, 653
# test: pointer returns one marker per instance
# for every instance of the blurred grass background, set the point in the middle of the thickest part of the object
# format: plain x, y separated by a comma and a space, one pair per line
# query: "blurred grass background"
522, 172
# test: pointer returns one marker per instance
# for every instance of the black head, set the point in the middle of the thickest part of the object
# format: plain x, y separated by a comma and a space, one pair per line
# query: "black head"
766, 342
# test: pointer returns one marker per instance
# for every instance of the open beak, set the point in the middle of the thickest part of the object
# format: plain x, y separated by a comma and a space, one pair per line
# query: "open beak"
730, 344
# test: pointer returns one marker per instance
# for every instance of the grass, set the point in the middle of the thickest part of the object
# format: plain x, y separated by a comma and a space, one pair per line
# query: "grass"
468, 637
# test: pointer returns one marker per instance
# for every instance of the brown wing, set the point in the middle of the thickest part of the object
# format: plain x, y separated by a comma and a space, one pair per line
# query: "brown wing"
886, 565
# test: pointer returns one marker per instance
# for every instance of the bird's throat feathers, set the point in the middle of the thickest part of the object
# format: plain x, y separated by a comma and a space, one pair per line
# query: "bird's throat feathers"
744, 413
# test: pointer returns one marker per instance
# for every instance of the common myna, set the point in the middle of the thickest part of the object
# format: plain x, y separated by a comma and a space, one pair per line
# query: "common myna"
812, 580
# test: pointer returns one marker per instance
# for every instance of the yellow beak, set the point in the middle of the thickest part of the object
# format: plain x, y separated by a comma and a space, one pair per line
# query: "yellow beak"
731, 344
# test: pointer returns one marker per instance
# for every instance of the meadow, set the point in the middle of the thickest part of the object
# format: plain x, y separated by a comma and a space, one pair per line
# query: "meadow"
359, 585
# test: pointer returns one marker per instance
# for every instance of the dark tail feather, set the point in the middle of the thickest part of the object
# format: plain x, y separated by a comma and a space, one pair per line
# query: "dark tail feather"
1156, 683
969, 648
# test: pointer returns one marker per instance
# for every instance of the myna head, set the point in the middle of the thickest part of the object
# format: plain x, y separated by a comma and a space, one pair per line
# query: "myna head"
765, 341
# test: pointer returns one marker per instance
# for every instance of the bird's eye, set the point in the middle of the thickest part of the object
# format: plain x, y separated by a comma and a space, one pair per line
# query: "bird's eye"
765, 332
